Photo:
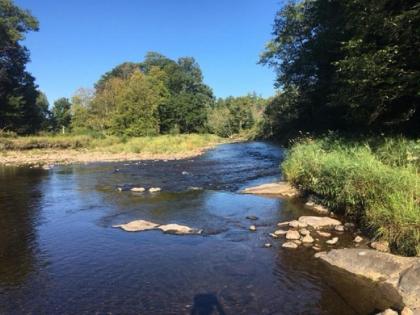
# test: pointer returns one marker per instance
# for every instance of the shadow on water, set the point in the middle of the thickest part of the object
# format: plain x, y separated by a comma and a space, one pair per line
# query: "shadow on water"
20, 214
207, 304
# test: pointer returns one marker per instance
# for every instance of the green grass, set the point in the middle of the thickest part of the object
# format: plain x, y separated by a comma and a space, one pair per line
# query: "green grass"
164, 144
374, 182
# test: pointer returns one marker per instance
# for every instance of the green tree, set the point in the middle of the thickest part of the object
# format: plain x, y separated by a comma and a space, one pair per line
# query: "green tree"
80, 104
18, 109
61, 114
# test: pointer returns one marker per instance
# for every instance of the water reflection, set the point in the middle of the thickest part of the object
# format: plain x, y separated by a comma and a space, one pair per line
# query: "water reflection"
207, 304
20, 214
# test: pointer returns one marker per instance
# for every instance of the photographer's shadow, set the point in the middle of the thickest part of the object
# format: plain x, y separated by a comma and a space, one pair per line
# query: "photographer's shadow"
207, 304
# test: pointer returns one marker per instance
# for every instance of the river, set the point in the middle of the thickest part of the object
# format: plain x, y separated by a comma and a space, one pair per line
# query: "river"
59, 253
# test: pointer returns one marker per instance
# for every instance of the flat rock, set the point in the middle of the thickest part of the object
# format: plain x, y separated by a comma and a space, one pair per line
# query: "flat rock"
282, 189
138, 189
283, 224
154, 189
137, 226
178, 229
323, 234
297, 224
290, 245
396, 279
292, 235
339, 228
319, 222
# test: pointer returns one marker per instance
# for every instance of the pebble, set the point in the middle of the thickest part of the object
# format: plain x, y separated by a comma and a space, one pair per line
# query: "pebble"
332, 241
307, 239
324, 234
253, 228
339, 228
119, 189
267, 245
358, 239
292, 235
310, 204
280, 232
304, 232
289, 245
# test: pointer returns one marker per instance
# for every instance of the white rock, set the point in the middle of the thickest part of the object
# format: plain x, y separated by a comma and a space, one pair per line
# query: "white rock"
178, 229
154, 189
137, 226
253, 228
320, 209
358, 239
283, 224
319, 222
304, 232
332, 241
307, 239
310, 204
280, 232
137, 189
407, 311
289, 245
339, 228
292, 235
296, 224
267, 245
273, 235
323, 234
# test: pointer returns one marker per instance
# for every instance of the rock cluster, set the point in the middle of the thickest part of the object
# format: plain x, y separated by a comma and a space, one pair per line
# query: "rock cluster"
143, 225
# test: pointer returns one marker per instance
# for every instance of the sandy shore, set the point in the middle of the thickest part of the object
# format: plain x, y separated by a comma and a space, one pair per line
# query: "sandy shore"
71, 156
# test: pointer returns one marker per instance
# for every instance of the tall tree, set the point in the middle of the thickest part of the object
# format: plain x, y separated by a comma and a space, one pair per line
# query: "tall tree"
18, 107
61, 114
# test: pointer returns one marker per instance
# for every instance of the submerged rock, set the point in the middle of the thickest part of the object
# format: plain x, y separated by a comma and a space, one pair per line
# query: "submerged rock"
392, 281
319, 222
282, 189
252, 217
137, 226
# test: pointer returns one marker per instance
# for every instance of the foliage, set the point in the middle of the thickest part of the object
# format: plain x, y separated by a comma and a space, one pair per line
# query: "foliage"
233, 115
19, 110
363, 181
61, 114
347, 65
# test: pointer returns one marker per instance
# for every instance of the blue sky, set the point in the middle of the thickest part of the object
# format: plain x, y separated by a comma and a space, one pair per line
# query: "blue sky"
81, 39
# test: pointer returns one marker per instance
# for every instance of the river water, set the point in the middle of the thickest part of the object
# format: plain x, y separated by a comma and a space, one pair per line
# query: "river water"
59, 253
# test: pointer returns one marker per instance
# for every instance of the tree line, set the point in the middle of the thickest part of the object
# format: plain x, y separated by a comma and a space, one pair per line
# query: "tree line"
346, 65
155, 96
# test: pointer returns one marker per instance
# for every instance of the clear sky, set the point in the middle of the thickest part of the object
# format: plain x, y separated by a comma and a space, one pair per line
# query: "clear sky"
79, 40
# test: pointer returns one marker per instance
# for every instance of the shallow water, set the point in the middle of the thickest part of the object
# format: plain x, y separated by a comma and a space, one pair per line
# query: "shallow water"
60, 255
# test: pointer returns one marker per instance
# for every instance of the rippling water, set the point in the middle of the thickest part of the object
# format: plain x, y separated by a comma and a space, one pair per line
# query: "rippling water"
60, 255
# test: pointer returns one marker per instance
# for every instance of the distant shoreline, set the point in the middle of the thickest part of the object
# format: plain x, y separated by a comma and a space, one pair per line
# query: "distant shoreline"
169, 148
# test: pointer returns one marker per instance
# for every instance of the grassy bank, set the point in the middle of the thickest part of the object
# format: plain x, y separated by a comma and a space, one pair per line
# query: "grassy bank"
76, 148
374, 182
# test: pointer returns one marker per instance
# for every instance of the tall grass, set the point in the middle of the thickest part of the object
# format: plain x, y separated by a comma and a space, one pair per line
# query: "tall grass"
373, 182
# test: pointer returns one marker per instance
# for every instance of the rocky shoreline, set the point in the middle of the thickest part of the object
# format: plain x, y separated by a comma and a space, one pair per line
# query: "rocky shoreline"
392, 281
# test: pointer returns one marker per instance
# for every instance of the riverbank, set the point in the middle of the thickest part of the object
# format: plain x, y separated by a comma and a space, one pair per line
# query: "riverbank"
373, 183
41, 150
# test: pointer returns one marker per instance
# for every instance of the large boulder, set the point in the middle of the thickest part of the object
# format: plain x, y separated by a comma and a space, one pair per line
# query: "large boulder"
319, 222
282, 189
390, 281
